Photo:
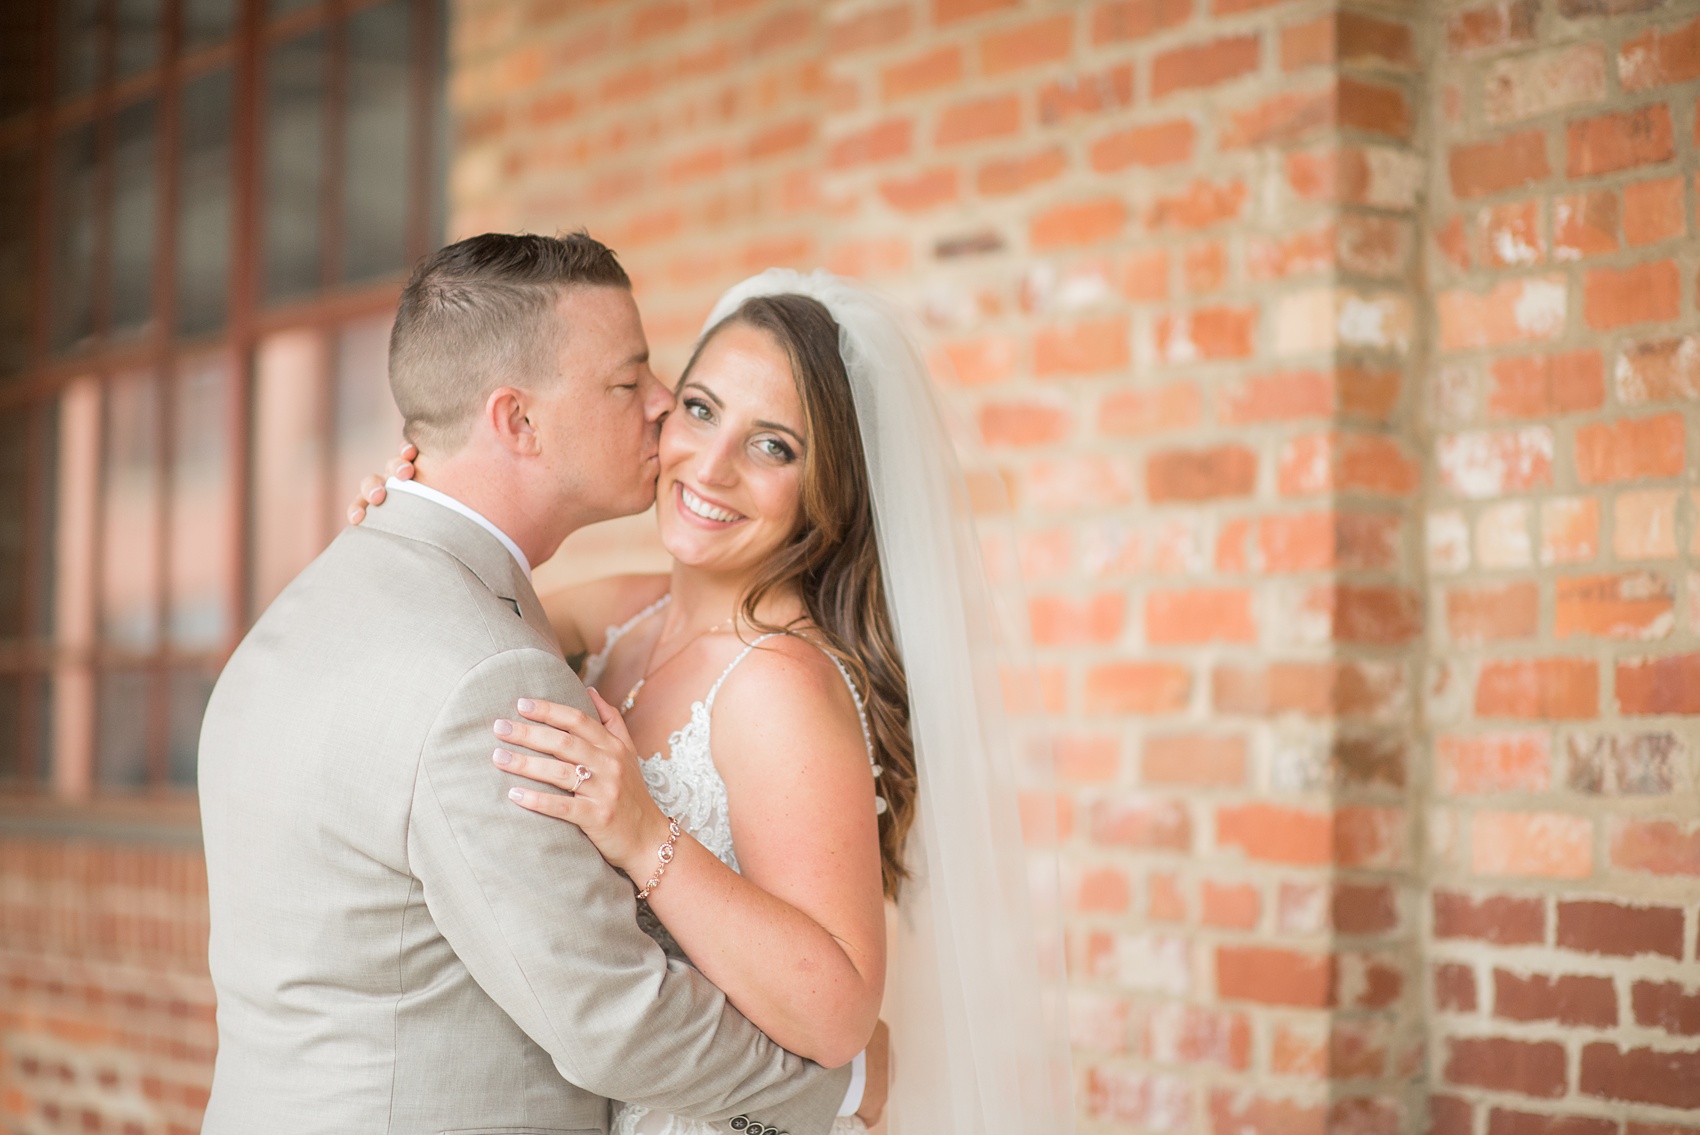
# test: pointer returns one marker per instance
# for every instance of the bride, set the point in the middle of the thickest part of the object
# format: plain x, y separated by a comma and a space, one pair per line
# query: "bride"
802, 719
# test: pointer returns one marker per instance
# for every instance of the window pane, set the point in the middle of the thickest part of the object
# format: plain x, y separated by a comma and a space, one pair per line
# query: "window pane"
207, 22
130, 530
11, 727
190, 690
276, 8
204, 206
201, 488
368, 426
73, 237
78, 31
43, 539
135, 210
121, 734
43, 729
288, 513
375, 179
294, 165
14, 518
20, 56
139, 34
17, 210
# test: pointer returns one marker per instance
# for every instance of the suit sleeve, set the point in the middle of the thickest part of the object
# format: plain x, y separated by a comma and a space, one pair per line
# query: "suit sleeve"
548, 929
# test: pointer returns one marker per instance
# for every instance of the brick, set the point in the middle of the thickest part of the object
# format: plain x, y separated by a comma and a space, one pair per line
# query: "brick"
1317, 463
1496, 762
1454, 988
1310, 44
1661, 370
1165, 899
1197, 759
1485, 464
919, 192
1619, 930
1487, 26
1570, 530
1653, 211
1229, 906
1585, 224
1449, 1115
1199, 615
1145, 276
1140, 412
1301, 542
1239, 1112
1204, 267
876, 27
1036, 42
1190, 1034
1279, 257
1284, 117
1644, 524
917, 75
1201, 474
1536, 689
1626, 764
1103, 890
1374, 107
1137, 688
1481, 169
950, 11
1276, 834
1527, 86
1320, 689
1078, 223
1641, 1075
1658, 847
1637, 605
1124, 20
1493, 613
1206, 333
1139, 1099
1618, 141
1546, 845
1513, 311
1363, 909
1004, 176
1659, 57
1087, 347
1142, 822
1200, 205
1502, 536
1270, 976
881, 142
1086, 94
1073, 484
1568, 999
977, 120
1089, 759
1530, 1068
983, 362
1203, 64
1151, 146
1546, 386
1630, 449
1512, 234
1666, 1005
1642, 293
1503, 1122
1504, 920
1366, 40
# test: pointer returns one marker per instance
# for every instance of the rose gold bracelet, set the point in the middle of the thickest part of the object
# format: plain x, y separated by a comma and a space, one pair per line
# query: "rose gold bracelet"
666, 857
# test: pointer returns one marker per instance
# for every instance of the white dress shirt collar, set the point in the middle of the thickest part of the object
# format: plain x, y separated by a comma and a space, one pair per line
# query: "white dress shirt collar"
398, 486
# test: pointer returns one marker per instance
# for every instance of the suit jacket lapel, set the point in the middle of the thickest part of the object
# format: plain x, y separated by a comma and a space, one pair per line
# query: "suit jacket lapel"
416, 518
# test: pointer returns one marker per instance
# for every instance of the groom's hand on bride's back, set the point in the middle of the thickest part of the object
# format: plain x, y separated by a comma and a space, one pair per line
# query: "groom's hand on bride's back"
372, 490
879, 1076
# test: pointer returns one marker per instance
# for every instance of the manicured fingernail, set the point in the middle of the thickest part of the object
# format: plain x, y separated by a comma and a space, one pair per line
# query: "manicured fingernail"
354, 516
502, 757
516, 794
526, 705
503, 727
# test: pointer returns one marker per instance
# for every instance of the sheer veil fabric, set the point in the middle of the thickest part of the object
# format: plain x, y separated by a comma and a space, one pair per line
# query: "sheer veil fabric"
975, 995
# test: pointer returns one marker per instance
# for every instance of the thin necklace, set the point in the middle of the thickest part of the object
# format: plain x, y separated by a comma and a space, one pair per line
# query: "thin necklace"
651, 667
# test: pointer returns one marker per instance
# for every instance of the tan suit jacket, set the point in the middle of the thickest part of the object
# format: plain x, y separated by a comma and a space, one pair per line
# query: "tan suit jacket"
396, 946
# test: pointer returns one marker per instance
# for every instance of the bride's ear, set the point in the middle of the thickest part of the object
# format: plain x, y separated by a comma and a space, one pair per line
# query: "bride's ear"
506, 412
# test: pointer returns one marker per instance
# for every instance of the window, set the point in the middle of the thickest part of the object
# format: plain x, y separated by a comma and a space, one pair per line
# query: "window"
206, 210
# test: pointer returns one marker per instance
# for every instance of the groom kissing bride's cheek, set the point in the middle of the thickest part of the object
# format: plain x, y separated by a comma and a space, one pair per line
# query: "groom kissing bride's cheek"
458, 887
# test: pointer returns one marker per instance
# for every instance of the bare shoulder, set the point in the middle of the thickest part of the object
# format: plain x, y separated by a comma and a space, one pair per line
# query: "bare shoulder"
787, 687
588, 609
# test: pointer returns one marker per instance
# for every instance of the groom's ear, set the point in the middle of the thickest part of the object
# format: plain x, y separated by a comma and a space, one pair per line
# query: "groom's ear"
507, 413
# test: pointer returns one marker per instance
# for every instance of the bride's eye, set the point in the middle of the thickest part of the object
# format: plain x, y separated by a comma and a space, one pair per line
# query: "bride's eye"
774, 448
699, 410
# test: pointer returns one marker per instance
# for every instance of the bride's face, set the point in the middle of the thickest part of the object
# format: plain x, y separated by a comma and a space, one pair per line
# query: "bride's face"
730, 489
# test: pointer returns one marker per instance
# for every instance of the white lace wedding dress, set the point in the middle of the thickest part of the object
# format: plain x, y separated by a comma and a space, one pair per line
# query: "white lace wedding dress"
687, 786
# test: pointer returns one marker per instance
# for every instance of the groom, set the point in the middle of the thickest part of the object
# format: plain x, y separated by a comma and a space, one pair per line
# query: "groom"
396, 947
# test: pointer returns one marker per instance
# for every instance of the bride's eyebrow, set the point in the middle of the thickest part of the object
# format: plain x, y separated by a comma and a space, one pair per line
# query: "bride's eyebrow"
715, 398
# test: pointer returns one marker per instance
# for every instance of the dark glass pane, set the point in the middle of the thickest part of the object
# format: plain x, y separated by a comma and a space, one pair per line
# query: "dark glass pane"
20, 56
287, 522
130, 527
121, 740
78, 32
73, 237
207, 22
11, 727
375, 173
294, 165
201, 487
368, 426
276, 8
135, 209
190, 690
44, 729
17, 210
14, 519
140, 33
437, 191
44, 536
204, 205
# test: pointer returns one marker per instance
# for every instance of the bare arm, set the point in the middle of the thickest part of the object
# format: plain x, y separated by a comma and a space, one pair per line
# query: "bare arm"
582, 613
797, 942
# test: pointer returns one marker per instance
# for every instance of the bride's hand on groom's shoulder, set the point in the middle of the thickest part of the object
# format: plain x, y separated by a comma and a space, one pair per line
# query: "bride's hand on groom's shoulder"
372, 490
595, 756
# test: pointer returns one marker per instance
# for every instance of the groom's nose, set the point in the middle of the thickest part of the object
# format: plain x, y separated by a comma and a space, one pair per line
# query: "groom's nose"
657, 398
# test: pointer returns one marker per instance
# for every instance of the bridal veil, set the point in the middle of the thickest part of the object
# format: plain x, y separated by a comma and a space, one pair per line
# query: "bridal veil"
975, 994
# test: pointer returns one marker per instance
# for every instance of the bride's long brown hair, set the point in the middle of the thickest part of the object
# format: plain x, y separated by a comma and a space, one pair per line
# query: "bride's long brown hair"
832, 559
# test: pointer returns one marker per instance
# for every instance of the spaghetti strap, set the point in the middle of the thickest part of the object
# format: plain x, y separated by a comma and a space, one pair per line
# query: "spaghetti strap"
708, 701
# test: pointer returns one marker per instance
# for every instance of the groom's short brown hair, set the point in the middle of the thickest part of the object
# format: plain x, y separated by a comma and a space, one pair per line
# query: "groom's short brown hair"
480, 314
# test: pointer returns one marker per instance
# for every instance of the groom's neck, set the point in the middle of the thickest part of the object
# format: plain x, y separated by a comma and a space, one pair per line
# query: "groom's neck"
500, 496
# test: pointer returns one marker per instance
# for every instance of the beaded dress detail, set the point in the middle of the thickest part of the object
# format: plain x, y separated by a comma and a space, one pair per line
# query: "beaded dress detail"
686, 786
